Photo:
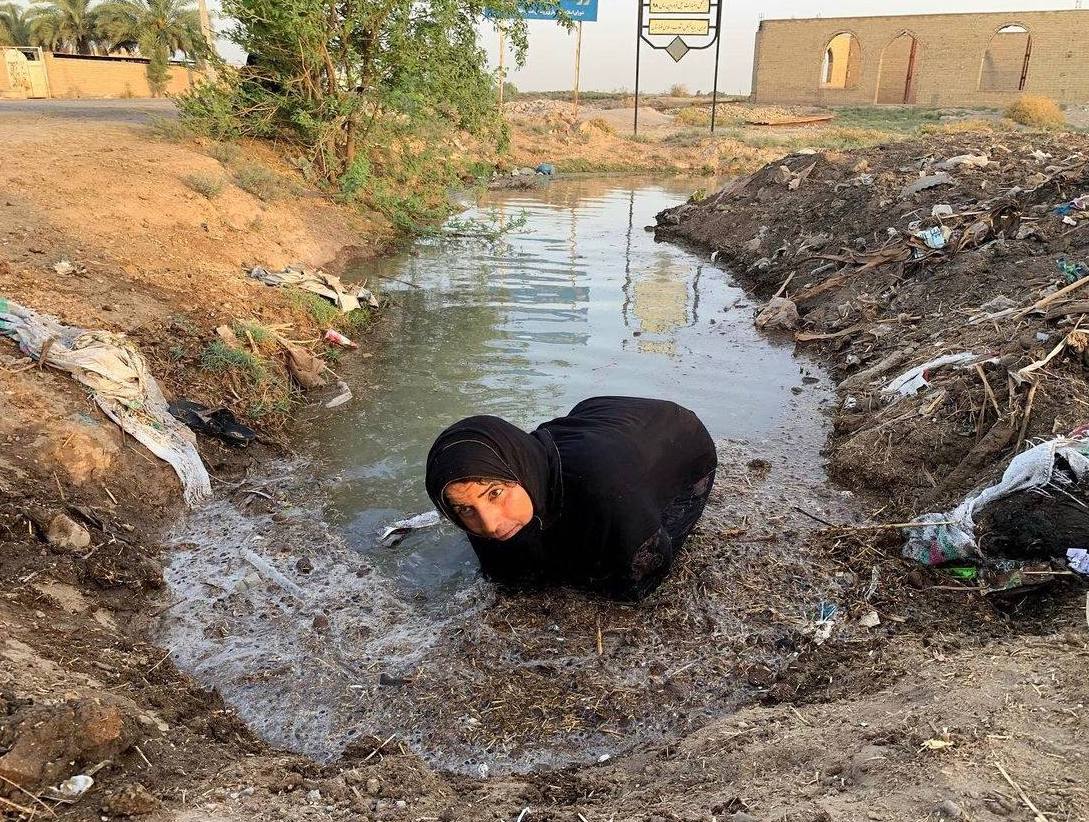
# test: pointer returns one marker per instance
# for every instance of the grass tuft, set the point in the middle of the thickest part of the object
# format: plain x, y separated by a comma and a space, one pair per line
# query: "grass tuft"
204, 184
260, 182
219, 356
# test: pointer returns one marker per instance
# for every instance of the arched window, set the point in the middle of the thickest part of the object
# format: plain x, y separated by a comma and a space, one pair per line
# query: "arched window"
1006, 60
842, 62
896, 76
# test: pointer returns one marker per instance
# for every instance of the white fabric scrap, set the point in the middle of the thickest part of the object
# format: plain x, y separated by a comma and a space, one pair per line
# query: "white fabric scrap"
318, 282
113, 368
1034, 469
912, 382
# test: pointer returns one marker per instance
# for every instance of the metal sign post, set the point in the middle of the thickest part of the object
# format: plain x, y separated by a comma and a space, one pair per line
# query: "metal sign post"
578, 56
692, 25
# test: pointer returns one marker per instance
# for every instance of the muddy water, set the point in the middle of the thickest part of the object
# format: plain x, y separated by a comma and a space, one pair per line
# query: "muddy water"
318, 637
581, 302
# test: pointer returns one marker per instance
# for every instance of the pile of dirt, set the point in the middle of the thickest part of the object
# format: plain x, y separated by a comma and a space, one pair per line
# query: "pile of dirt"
895, 257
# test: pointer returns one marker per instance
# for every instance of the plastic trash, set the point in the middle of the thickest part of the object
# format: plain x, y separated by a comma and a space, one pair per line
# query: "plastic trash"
942, 178
1078, 560
397, 531
915, 380
70, 790
265, 569
334, 337
935, 237
949, 536
341, 398
546, 168
218, 422
318, 282
122, 386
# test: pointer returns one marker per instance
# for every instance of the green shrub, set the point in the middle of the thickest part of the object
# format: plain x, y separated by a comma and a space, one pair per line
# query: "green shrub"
679, 90
204, 184
227, 153
260, 182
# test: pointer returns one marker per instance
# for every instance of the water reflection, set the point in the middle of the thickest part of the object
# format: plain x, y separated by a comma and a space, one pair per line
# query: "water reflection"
582, 302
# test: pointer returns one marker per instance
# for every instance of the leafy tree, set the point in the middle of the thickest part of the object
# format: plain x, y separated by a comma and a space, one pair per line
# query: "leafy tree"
343, 79
14, 25
156, 28
65, 25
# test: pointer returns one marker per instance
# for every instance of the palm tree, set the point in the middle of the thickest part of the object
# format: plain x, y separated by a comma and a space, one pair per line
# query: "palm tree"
14, 25
64, 25
156, 28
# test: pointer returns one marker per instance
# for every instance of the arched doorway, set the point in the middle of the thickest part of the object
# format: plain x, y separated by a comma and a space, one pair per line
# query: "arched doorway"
842, 62
896, 76
1006, 60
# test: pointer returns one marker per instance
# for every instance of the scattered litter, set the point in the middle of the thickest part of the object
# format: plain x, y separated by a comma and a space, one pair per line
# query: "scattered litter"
1077, 204
320, 283
937, 744
951, 535
219, 422
942, 210
70, 790
942, 178
935, 237
964, 160
870, 620
1072, 271
341, 398
397, 531
305, 367
64, 268
1078, 560
778, 313
334, 337
113, 368
546, 169
915, 380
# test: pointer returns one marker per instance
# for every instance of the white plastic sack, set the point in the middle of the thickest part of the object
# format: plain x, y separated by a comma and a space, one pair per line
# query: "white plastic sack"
955, 538
912, 382
112, 367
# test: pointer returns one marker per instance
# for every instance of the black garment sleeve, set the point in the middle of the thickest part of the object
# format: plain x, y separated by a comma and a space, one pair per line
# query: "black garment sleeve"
645, 570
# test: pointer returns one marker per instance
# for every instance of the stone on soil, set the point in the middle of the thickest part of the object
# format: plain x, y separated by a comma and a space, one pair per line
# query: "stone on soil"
66, 534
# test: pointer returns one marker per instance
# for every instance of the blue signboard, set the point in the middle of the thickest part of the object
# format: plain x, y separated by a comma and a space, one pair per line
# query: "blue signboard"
580, 11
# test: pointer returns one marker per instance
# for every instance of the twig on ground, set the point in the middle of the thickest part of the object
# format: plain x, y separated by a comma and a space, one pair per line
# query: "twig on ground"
380, 747
1039, 815
21, 789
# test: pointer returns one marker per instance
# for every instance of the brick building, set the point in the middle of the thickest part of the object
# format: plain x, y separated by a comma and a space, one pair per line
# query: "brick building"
929, 59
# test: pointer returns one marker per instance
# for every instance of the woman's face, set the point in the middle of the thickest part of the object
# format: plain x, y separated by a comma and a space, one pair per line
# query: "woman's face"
493, 509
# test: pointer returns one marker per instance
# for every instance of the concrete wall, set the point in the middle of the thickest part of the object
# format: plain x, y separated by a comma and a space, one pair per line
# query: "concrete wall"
950, 68
100, 77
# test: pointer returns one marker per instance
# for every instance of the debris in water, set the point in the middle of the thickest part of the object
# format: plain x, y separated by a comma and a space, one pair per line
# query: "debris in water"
397, 531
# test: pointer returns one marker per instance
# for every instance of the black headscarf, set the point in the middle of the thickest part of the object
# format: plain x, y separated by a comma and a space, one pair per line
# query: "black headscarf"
492, 448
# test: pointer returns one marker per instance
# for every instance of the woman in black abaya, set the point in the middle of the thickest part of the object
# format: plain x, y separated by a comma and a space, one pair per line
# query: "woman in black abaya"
603, 498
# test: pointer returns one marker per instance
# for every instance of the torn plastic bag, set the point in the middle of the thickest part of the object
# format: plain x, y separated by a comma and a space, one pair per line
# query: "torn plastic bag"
399, 530
112, 367
347, 299
213, 422
1052, 467
916, 379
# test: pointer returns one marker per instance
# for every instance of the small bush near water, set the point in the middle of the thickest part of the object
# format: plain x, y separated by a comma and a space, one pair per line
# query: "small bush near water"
1041, 112
260, 182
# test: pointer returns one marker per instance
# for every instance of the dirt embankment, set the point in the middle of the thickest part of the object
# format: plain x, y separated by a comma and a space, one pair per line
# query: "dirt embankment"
841, 234
102, 225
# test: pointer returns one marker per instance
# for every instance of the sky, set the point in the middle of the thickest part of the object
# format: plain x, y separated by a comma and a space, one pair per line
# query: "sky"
608, 45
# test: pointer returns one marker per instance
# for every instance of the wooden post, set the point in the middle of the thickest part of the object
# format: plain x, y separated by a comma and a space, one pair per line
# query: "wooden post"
578, 57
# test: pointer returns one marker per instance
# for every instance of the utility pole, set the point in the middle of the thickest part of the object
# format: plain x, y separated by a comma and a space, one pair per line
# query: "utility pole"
578, 57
